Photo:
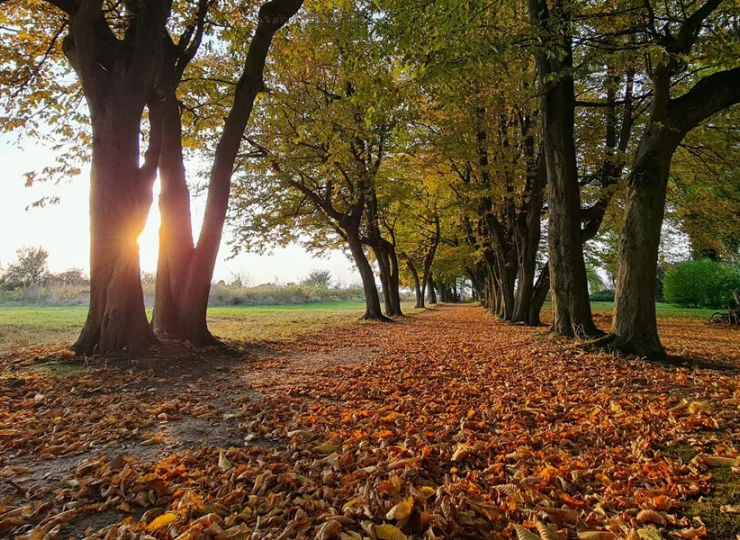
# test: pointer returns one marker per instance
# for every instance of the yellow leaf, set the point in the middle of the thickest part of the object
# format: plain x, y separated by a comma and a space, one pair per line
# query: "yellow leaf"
461, 451
161, 521
389, 532
223, 463
649, 533
720, 461
546, 533
327, 448
524, 534
402, 510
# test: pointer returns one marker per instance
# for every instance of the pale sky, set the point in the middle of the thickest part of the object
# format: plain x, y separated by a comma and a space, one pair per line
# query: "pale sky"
63, 229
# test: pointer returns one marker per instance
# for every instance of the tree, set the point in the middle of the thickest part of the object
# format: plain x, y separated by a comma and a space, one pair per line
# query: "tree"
185, 269
322, 140
673, 113
571, 308
128, 57
321, 279
30, 268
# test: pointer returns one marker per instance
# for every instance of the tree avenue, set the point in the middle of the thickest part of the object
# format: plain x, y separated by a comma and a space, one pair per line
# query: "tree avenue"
505, 146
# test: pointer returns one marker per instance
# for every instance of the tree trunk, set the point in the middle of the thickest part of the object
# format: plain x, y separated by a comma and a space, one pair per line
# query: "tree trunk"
175, 233
432, 291
120, 197
395, 283
419, 293
384, 267
372, 302
196, 284
527, 237
571, 310
634, 326
541, 288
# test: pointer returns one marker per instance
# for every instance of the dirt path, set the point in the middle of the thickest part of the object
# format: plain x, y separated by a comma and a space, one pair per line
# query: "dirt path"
447, 424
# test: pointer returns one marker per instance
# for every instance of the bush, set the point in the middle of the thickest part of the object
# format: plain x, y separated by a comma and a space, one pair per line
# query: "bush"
606, 295
702, 283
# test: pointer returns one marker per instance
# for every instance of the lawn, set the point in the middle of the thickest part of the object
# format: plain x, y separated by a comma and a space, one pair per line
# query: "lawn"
671, 310
44, 325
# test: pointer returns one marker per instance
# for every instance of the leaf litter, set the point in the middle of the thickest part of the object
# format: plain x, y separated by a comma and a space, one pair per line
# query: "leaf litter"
457, 426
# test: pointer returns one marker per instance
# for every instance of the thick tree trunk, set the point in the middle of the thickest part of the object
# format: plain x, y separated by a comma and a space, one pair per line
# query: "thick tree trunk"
571, 306
120, 197
372, 301
175, 233
634, 325
634, 328
196, 284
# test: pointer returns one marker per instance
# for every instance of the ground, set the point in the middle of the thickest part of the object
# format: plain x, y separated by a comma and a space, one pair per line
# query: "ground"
444, 424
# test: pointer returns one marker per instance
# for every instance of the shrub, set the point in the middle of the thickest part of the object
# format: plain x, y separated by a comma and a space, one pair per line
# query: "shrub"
606, 295
702, 283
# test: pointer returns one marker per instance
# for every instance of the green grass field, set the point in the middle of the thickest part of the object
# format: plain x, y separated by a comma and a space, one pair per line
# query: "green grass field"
670, 310
41, 325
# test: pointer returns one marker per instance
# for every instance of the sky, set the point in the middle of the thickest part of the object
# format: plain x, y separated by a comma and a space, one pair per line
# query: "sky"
63, 229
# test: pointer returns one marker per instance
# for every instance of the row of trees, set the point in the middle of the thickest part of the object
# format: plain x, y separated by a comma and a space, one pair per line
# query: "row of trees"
495, 141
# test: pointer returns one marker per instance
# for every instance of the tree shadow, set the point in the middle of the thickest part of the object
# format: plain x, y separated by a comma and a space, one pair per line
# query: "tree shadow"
698, 362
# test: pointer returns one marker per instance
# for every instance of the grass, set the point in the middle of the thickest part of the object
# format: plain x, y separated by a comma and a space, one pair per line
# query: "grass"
725, 491
25, 326
35, 325
670, 310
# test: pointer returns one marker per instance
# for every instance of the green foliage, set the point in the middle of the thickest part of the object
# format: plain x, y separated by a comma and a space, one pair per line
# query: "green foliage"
605, 295
702, 283
595, 283
30, 268
319, 279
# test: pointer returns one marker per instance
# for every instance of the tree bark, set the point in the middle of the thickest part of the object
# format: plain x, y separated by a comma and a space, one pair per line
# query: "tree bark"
418, 291
571, 306
385, 278
120, 197
432, 291
186, 317
176, 246
395, 283
372, 301
116, 76
527, 235
634, 326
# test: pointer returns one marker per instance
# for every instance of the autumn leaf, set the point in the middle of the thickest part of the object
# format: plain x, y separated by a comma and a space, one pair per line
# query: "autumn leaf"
402, 510
162, 521
389, 532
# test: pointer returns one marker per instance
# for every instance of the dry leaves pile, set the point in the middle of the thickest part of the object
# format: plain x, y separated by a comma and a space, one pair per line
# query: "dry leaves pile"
461, 427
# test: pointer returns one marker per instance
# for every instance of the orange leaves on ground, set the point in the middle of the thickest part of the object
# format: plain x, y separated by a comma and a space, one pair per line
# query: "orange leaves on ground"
456, 426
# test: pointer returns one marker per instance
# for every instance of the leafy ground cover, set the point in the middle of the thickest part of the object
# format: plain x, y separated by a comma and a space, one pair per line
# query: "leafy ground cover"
447, 424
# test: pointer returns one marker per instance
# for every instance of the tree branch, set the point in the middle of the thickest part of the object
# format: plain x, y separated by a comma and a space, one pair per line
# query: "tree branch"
706, 98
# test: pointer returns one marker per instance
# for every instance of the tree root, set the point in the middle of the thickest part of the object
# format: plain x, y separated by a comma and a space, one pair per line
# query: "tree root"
616, 345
